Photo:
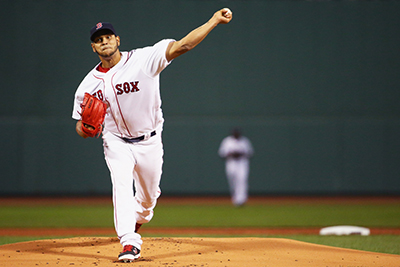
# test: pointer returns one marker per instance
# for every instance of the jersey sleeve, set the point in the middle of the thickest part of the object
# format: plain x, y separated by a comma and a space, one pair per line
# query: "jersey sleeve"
155, 58
250, 149
223, 148
75, 111
89, 85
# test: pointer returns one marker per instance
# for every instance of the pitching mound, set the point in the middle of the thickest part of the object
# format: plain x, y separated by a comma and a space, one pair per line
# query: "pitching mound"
102, 251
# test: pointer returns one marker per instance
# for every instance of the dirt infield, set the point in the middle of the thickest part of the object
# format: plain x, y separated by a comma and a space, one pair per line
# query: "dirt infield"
102, 251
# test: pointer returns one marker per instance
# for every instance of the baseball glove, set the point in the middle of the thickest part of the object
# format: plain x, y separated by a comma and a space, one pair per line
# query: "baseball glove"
92, 113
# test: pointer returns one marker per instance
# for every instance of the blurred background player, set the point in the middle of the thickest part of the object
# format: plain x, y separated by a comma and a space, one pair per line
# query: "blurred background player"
237, 151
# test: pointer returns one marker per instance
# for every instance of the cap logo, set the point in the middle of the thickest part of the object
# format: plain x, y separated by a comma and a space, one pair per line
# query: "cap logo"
99, 25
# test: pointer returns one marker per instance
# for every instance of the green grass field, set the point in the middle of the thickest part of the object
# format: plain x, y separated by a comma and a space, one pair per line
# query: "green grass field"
222, 215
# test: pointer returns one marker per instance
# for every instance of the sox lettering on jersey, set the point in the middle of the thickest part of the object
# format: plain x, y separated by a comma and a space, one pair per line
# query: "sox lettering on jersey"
127, 87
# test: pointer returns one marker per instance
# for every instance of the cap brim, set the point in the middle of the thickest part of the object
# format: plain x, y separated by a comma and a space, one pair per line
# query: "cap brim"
100, 32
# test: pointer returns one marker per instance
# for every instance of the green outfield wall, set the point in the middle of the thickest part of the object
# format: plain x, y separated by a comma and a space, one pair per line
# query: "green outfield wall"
315, 85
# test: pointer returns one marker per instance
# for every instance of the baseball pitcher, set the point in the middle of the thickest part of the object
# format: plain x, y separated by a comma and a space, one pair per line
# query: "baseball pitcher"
120, 100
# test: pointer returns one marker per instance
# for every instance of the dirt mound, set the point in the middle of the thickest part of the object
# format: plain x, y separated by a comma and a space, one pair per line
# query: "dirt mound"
102, 251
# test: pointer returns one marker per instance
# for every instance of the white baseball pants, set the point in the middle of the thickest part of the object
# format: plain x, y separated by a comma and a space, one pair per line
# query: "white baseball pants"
237, 172
133, 165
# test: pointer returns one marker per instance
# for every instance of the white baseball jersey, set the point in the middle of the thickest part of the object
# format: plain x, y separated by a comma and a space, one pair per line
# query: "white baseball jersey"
232, 145
131, 91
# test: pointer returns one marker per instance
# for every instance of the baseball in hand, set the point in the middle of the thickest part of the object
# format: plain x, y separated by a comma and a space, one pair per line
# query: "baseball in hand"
227, 12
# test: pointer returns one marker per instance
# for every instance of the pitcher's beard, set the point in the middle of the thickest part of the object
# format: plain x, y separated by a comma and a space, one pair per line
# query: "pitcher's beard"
107, 54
